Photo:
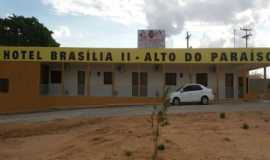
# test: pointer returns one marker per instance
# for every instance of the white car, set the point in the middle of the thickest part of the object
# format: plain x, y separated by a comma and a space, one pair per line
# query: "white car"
192, 93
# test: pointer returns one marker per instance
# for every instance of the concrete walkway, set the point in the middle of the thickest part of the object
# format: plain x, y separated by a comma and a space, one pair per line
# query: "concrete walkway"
133, 110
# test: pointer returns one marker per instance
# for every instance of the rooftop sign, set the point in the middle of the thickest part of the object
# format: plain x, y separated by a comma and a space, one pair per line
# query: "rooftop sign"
134, 55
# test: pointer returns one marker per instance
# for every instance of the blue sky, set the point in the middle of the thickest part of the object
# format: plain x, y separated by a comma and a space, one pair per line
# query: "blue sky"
75, 30
114, 23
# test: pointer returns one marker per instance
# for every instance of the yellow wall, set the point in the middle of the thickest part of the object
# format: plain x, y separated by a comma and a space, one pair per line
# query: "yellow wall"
24, 95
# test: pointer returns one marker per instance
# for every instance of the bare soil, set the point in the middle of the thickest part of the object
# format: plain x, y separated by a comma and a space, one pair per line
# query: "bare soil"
190, 136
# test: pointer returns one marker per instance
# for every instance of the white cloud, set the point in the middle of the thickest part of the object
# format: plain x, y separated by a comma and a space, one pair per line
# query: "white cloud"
212, 20
123, 11
61, 32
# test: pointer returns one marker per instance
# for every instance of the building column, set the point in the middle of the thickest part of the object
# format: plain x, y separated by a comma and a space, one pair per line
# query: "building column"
163, 80
62, 78
217, 83
139, 79
88, 79
265, 81
190, 74
113, 81
244, 75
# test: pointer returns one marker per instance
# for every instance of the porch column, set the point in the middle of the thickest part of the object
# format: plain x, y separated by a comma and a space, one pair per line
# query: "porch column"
113, 81
244, 75
163, 81
217, 82
190, 74
88, 79
62, 78
265, 81
139, 80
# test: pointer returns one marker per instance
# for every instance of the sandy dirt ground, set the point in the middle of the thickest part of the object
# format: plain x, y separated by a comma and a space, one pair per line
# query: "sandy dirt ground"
190, 136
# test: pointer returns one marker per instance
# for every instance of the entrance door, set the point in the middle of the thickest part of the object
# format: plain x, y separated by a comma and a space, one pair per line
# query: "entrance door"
240, 87
81, 83
143, 86
139, 84
229, 85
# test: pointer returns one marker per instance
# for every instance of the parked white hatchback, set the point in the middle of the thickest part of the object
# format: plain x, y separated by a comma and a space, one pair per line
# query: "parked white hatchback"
192, 93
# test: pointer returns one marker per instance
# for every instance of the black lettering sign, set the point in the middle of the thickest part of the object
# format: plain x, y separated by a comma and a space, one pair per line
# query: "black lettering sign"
109, 56
259, 56
268, 56
31, 55
23, 53
172, 56
243, 56
233, 56
81, 56
163, 56
198, 56
188, 57
223, 57
6, 54
62, 55
53, 55
15, 55
214, 56
94, 58
147, 57
156, 59
38, 56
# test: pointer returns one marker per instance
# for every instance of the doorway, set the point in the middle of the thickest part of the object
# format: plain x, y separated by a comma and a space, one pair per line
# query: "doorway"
240, 87
229, 85
139, 84
81, 83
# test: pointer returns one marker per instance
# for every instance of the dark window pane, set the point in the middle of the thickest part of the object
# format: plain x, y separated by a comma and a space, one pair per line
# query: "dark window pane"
187, 89
56, 77
107, 77
4, 85
196, 88
81, 82
170, 79
143, 84
202, 78
44, 75
135, 84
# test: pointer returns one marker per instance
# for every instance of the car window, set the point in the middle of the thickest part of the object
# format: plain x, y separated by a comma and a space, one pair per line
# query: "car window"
196, 87
187, 89
192, 88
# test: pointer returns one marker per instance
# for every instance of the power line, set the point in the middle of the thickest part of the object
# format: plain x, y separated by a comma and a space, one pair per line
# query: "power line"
247, 34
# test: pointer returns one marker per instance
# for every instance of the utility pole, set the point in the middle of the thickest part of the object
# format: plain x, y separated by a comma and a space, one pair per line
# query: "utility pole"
247, 35
187, 38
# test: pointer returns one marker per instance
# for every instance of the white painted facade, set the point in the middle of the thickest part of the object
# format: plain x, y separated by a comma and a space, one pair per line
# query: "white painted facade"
122, 78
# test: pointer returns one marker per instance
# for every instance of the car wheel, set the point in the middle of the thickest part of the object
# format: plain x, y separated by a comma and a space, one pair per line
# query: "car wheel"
205, 100
176, 101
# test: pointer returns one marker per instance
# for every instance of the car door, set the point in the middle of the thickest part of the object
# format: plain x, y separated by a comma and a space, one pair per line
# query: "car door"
186, 94
192, 93
197, 93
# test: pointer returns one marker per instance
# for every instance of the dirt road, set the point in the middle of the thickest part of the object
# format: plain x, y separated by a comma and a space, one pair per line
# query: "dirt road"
133, 110
190, 136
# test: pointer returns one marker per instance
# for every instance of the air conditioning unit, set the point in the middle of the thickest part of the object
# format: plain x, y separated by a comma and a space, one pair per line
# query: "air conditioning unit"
157, 67
120, 68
